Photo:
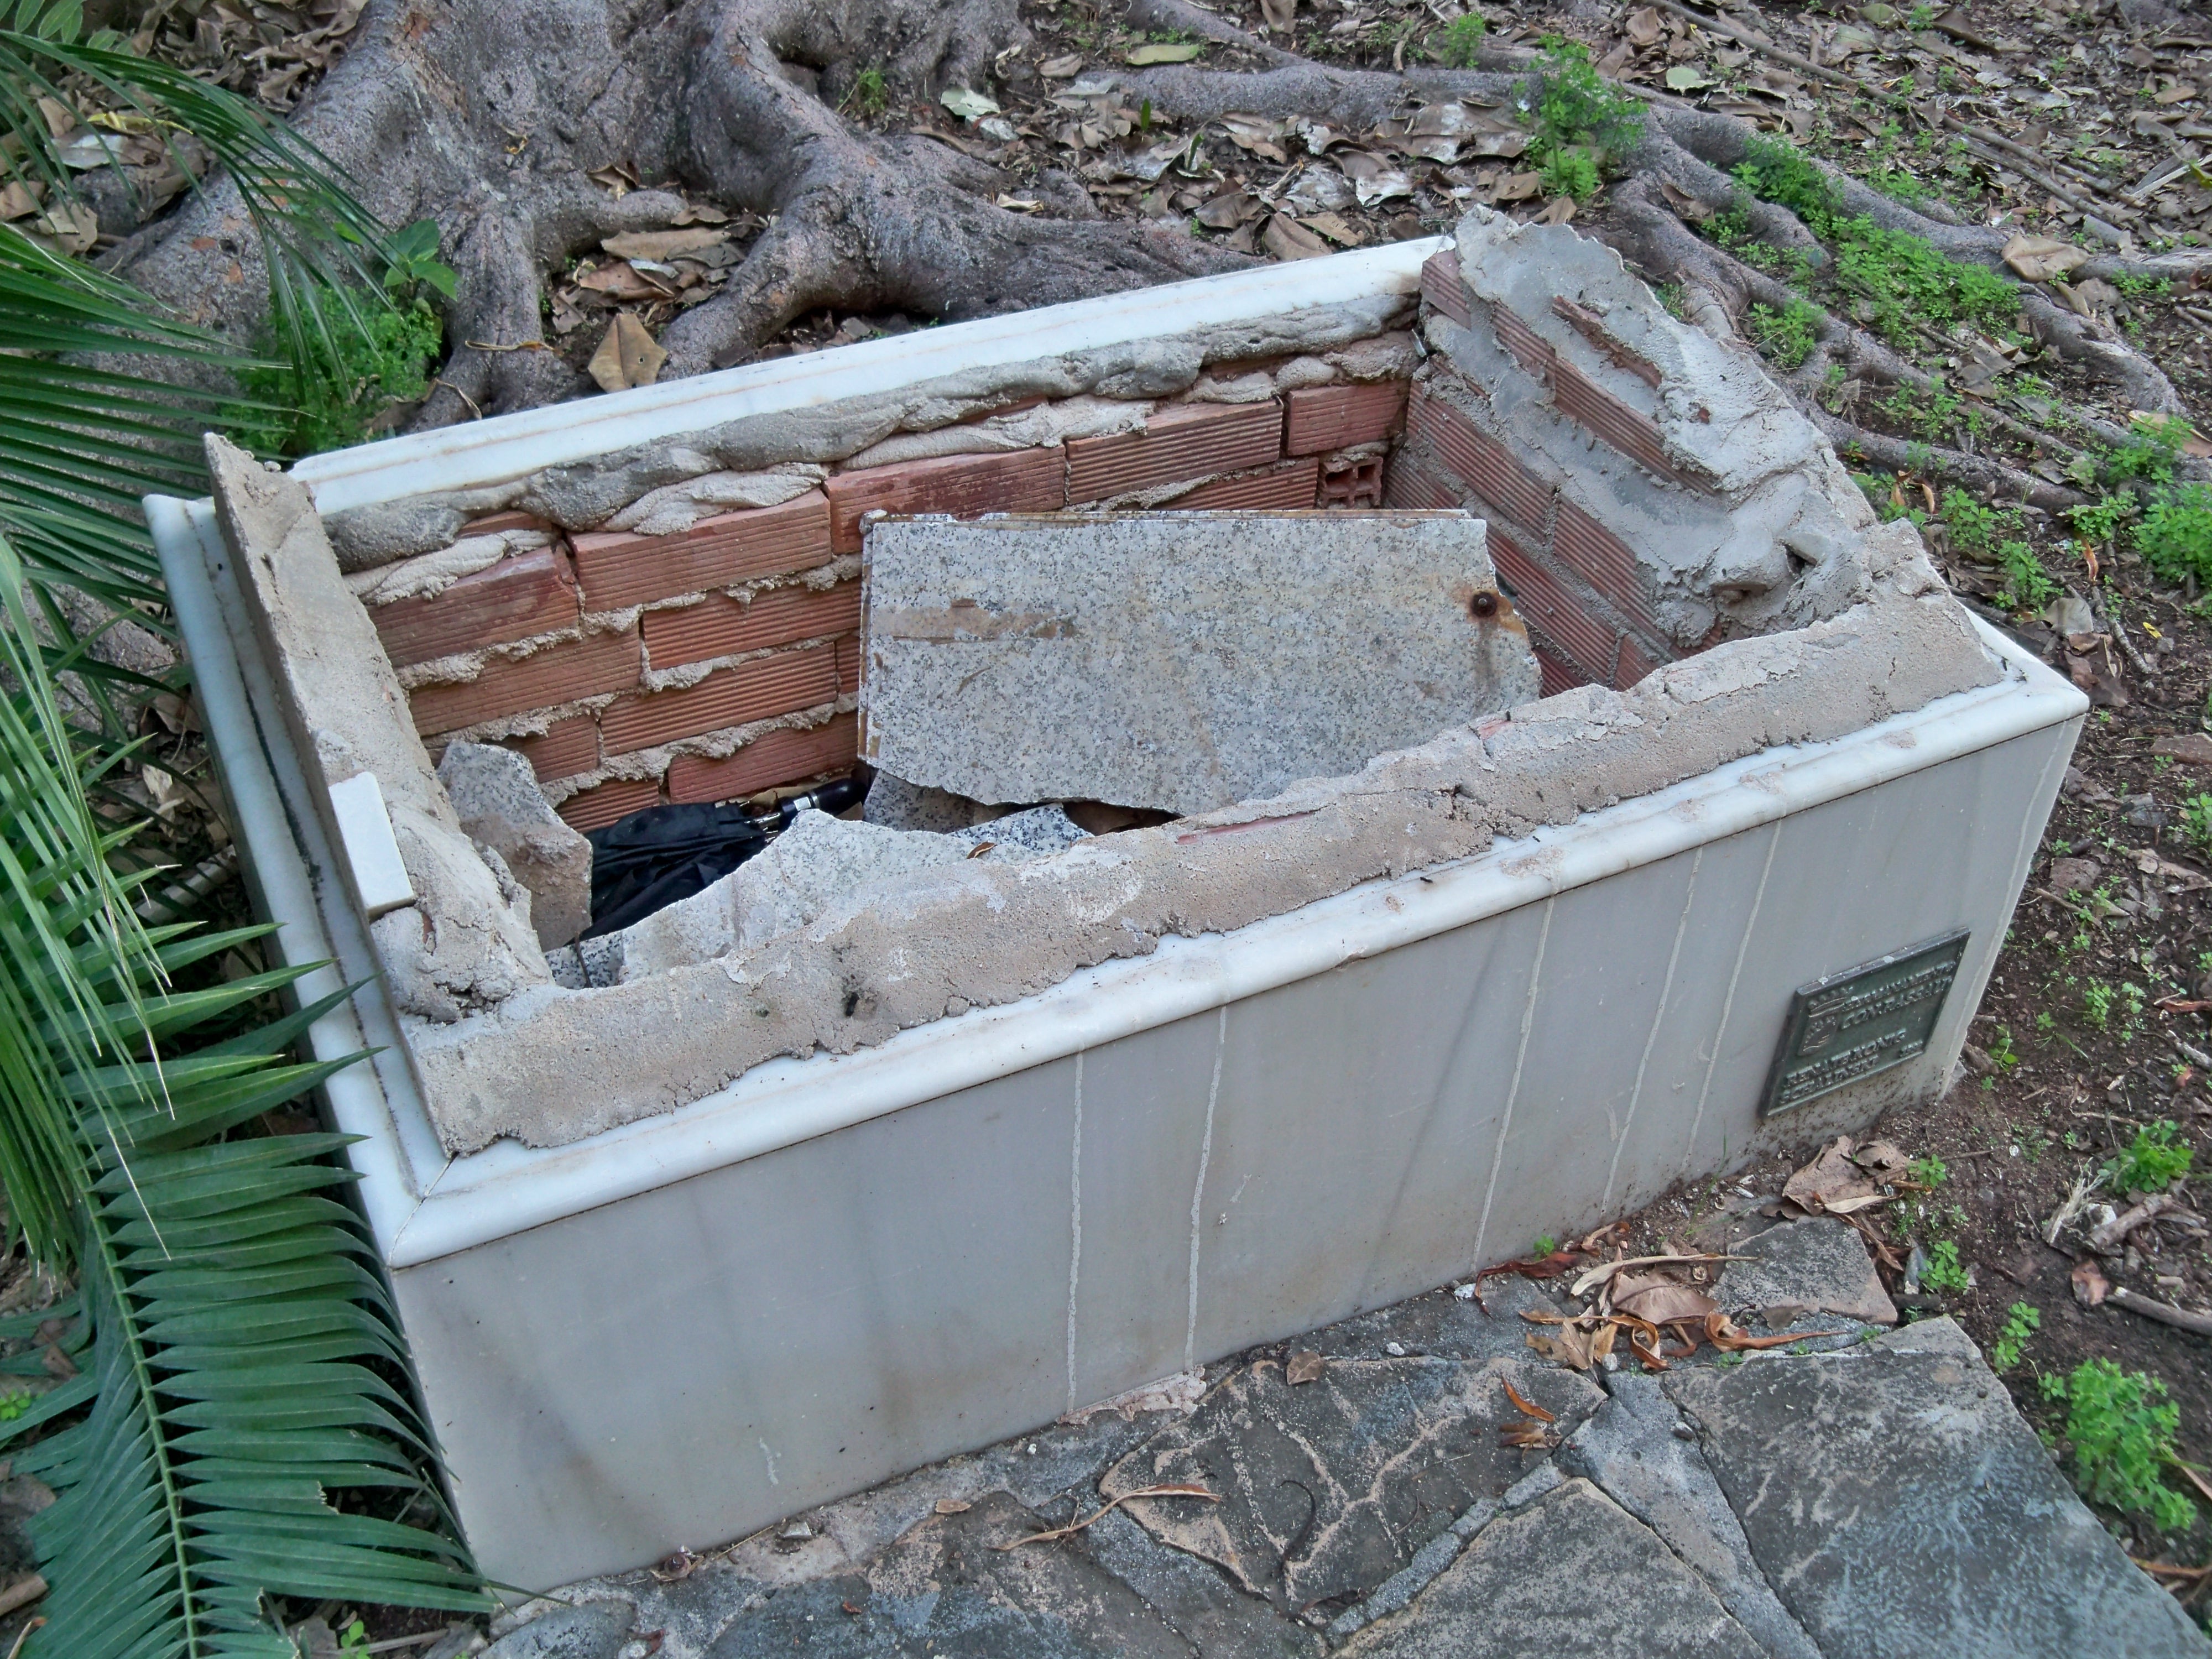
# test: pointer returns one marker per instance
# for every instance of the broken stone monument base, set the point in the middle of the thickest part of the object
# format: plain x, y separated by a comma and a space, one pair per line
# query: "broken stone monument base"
496, 793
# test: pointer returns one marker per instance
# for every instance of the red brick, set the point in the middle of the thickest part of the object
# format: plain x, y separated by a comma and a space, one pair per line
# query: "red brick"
1531, 349
1441, 287
1325, 418
531, 593
1411, 480
1603, 560
1635, 663
724, 627
1291, 485
1547, 605
558, 674
766, 762
781, 684
1556, 673
965, 486
1485, 465
617, 569
1183, 440
1635, 435
596, 808
515, 519
566, 748
1360, 484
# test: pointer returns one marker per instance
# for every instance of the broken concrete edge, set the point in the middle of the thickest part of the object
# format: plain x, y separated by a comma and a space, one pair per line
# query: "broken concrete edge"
586, 495
915, 949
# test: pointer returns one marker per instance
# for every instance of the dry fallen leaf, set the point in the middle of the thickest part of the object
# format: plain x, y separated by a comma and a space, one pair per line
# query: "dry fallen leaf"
1660, 1301
1569, 1346
628, 356
952, 1506
1305, 1367
1159, 53
2041, 258
1517, 188
1829, 1179
1723, 1334
1061, 69
1286, 239
662, 244
1558, 212
1527, 1408
1279, 14
1644, 29
2091, 1287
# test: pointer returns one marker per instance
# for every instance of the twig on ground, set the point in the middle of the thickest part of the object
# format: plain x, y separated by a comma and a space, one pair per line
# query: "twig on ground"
2164, 1312
2106, 1239
1074, 1526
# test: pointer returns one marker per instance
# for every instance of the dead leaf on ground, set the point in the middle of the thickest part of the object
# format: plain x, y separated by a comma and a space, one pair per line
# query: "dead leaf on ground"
1722, 1332
1517, 188
1565, 1346
662, 244
623, 281
2091, 1287
1643, 27
1286, 239
1830, 1180
1161, 54
1558, 212
952, 1506
1539, 1266
628, 356
1279, 14
1686, 206
1525, 1407
1304, 1367
1061, 69
2042, 258
1661, 1301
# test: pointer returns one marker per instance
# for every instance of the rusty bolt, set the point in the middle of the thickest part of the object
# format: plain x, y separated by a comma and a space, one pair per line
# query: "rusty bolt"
1482, 605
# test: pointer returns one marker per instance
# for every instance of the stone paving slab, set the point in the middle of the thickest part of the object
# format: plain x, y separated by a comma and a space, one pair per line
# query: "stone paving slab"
1573, 1573
1872, 1495
1329, 1486
1818, 1266
1899, 1505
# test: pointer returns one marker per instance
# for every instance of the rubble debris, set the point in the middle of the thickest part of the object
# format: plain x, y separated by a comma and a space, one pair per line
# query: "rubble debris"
1178, 660
500, 806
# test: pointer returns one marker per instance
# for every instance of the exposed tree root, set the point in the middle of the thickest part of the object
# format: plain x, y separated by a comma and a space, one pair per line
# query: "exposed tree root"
489, 115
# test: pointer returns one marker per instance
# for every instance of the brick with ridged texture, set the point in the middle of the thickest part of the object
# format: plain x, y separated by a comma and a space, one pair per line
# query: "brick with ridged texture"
617, 569
757, 691
564, 749
965, 486
601, 805
1181, 441
553, 675
1548, 604
1487, 465
528, 594
1325, 418
724, 627
1292, 485
767, 761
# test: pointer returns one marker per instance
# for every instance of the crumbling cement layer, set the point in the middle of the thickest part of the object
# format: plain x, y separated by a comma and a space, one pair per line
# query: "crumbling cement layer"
1177, 660
586, 495
467, 942
943, 939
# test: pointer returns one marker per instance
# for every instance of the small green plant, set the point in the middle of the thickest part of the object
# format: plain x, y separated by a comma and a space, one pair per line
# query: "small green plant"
2028, 586
1576, 109
2149, 454
2122, 1430
2097, 1004
1458, 45
1942, 1273
869, 95
2152, 1161
13, 1406
375, 357
1927, 1170
2021, 1322
1921, 17
2176, 533
1544, 1244
2196, 824
1787, 336
354, 1639
1572, 171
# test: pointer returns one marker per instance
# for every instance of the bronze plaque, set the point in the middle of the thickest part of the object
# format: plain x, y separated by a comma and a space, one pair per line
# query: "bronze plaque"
1864, 1020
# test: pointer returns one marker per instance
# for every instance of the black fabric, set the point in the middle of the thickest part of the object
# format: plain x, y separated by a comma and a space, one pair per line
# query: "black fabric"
652, 859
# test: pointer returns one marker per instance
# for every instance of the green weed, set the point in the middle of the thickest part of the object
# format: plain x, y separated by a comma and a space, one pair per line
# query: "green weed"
2196, 824
1458, 45
13, 1406
2028, 586
2122, 1431
1927, 1170
1569, 172
1576, 109
2100, 520
1545, 1245
1787, 336
2176, 533
2021, 1322
1942, 1273
869, 95
2097, 1004
2151, 1162
376, 358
